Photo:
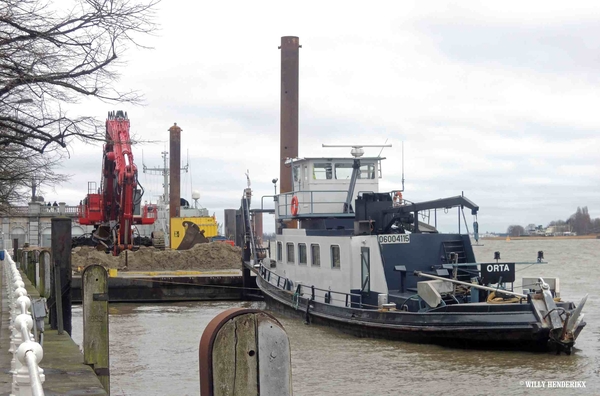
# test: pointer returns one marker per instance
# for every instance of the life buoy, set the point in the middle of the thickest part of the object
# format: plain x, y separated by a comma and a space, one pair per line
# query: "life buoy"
294, 205
397, 198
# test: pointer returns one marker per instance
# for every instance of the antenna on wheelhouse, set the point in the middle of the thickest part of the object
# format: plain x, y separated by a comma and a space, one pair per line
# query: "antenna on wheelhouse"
357, 152
357, 149
402, 166
381, 151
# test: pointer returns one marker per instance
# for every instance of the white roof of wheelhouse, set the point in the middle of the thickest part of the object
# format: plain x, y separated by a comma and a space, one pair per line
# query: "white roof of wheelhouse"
368, 159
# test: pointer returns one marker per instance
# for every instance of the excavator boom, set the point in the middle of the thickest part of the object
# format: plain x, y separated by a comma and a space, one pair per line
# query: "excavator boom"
111, 209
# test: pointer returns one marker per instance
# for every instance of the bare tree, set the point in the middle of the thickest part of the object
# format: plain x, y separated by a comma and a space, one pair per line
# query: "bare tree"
596, 226
20, 170
515, 230
580, 221
50, 58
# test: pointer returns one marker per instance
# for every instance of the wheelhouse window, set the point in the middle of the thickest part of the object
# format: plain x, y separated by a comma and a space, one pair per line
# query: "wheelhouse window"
302, 253
367, 171
315, 255
279, 251
335, 257
343, 171
290, 253
296, 172
322, 171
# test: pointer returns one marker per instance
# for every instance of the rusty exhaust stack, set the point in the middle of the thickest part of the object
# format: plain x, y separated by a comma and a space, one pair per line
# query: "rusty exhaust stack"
174, 169
288, 137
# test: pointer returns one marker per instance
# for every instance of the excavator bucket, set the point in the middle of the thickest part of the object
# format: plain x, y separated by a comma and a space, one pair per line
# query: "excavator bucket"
193, 235
158, 239
102, 233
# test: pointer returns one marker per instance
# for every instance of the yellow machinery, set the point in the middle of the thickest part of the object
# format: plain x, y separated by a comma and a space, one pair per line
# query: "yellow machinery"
188, 231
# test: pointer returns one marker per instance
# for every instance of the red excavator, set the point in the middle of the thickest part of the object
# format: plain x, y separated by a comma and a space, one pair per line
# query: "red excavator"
111, 208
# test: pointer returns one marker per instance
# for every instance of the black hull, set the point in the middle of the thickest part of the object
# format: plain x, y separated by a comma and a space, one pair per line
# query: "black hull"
519, 330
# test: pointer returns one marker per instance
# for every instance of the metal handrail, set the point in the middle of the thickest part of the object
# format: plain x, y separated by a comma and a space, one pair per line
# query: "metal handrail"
287, 201
327, 291
266, 273
28, 377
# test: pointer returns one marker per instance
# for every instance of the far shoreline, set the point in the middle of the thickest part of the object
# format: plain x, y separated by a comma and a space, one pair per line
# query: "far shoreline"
521, 238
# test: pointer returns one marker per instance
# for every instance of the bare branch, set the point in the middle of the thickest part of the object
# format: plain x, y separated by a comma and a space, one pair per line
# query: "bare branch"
50, 57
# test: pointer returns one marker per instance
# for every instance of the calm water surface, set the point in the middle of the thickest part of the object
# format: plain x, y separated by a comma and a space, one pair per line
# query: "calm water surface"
154, 348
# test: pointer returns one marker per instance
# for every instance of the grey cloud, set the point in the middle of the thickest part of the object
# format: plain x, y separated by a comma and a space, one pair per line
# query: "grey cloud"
555, 48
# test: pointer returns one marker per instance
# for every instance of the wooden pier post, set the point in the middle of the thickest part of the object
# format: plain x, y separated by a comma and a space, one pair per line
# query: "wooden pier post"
95, 322
61, 254
245, 352
31, 267
45, 268
15, 248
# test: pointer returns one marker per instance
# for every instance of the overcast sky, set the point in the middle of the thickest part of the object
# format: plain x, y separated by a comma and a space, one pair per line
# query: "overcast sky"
496, 99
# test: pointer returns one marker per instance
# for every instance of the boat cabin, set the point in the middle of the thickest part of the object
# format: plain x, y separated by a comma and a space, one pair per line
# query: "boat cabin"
321, 186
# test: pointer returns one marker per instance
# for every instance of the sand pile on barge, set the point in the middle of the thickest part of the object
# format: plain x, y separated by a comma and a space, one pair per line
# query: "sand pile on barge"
205, 256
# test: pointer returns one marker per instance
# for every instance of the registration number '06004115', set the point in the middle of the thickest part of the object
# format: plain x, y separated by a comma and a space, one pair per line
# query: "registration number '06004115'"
394, 238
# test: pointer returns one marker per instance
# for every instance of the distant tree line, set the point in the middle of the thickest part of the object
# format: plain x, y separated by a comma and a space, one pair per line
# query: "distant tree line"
579, 223
268, 236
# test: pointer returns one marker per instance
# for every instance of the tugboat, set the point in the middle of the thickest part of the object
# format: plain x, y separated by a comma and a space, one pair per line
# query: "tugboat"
360, 260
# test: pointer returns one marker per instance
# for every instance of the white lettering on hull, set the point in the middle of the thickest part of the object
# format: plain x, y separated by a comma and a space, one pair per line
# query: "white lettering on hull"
393, 238
498, 268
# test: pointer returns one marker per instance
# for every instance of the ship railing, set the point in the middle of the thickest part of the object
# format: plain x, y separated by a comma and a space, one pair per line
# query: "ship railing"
455, 270
327, 296
313, 203
274, 279
28, 377
150, 215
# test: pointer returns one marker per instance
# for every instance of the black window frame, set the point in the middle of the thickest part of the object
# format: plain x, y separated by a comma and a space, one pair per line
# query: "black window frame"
339, 256
312, 255
300, 245
287, 253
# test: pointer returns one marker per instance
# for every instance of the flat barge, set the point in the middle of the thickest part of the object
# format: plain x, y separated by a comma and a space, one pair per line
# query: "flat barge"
170, 286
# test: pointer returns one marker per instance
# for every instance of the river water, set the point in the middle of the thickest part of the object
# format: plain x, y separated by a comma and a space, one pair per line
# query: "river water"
154, 347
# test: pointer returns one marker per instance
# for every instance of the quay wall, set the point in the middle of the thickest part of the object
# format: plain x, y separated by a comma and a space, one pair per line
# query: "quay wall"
165, 287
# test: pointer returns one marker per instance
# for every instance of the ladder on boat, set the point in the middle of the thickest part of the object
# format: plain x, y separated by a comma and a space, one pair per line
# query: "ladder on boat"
456, 247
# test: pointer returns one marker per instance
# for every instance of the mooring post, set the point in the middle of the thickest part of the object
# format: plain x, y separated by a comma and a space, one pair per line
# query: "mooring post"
58, 307
245, 352
15, 248
31, 267
19, 259
95, 322
246, 282
61, 254
45, 260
